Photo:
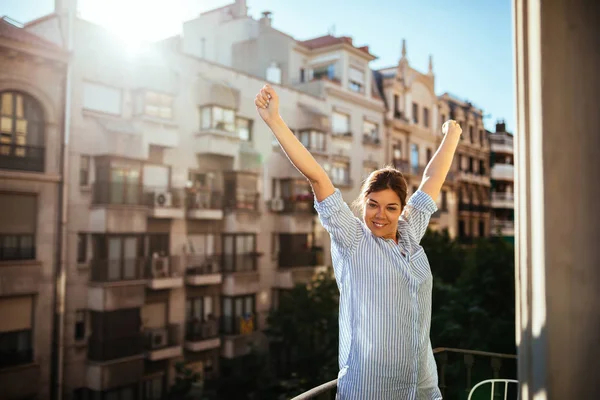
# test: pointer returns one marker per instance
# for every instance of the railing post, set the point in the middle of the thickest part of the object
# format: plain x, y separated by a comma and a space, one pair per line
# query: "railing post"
469, 361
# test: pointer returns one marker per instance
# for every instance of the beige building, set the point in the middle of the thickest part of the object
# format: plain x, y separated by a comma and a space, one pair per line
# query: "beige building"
503, 182
32, 79
413, 132
471, 166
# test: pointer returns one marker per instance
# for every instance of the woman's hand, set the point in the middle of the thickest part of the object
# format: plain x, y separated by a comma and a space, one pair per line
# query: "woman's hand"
267, 103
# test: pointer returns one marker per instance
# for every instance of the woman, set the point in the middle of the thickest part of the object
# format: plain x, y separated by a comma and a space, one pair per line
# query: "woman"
381, 270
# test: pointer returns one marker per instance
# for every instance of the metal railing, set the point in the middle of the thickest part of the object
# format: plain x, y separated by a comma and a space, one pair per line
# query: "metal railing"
202, 330
231, 325
287, 259
502, 225
458, 366
204, 199
111, 349
203, 264
501, 140
160, 338
239, 262
22, 158
503, 196
243, 202
17, 247
117, 193
118, 270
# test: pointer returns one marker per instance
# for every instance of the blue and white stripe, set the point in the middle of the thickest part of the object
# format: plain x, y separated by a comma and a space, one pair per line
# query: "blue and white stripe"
385, 304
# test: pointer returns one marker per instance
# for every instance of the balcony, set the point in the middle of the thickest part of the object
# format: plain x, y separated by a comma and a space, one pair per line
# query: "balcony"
202, 335
165, 203
163, 343
503, 200
117, 284
474, 178
203, 270
22, 158
164, 272
239, 334
20, 382
124, 372
204, 204
117, 193
19, 277
130, 269
241, 276
458, 372
370, 140
217, 140
115, 348
503, 172
246, 201
501, 144
308, 258
16, 247
503, 228
117, 207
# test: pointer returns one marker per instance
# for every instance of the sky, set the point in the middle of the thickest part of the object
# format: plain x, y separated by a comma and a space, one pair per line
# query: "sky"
471, 41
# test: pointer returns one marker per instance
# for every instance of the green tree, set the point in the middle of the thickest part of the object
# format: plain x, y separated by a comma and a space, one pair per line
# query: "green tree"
305, 329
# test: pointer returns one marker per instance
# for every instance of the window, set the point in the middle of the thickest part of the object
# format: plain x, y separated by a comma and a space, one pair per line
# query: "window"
313, 140
116, 257
21, 132
429, 155
371, 131
239, 315
415, 113
397, 151
444, 205
214, 117
356, 80
153, 388
158, 105
102, 98
396, 104
302, 75
482, 232
461, 229
273, 73
482, 167
481, 137
84, 170
471, 136
82, 248
244, 128
239, 252
426, 117
80, 324
340, 124
414, 156
16, 316
442, 119
18, 221
470, 165
340, 173
324, 71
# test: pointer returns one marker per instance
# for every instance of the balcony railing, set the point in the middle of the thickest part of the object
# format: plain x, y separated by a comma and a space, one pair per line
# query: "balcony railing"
163, 197
204, 199
458, 372
501, 140
119, 270
499, 196
22, 158
17, 247
202, 330
203, 264
115, 348
371, 140
299, 204
289, 259
239, 262
502, 226
117, 193
242, 202
163, 267
160, 338
238, 325
12, 352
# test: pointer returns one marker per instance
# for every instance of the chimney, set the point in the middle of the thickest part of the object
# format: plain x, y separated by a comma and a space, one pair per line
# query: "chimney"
500, 126
240, 8
266, 19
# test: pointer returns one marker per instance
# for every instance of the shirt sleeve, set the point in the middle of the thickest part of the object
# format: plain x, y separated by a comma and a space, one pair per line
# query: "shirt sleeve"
417, 213
339, 221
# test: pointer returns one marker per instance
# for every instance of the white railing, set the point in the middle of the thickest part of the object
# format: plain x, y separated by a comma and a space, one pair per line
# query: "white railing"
501, 140
493, 382
503, 226
503, 196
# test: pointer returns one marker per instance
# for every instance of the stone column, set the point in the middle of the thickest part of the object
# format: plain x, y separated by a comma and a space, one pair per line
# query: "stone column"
558, 192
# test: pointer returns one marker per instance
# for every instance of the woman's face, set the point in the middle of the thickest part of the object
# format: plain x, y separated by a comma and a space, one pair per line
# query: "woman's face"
381, 213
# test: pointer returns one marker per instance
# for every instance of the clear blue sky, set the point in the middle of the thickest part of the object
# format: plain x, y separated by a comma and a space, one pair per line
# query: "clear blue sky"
471, 40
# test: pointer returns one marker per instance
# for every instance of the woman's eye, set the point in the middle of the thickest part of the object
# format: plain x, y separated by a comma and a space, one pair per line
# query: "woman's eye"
391, 208
372, 205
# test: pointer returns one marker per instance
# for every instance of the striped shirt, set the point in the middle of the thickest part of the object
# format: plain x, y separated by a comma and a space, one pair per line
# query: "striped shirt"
385, 304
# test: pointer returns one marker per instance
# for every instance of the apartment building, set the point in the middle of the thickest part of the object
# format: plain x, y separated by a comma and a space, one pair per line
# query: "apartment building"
503, 182
413, 132
472, 167
32, 76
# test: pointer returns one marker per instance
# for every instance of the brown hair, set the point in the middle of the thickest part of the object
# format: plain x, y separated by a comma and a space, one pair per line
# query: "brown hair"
381, 179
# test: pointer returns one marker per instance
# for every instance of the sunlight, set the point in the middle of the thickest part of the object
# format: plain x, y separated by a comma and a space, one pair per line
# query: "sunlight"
134, 22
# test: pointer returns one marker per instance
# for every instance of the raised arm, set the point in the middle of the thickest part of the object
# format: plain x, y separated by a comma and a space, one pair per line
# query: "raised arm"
267, 104
437, 169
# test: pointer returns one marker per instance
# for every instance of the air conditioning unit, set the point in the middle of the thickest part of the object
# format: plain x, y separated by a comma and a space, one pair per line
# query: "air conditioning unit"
157, 338
163, 199
277, 204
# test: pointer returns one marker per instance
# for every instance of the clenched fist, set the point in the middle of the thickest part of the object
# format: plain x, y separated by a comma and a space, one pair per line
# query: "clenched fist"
267, 103
451, 127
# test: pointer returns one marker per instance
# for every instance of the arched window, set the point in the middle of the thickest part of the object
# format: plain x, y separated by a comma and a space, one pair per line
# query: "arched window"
21, 132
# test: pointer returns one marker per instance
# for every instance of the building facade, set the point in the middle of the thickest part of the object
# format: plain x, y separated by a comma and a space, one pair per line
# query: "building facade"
32, 79
503, 182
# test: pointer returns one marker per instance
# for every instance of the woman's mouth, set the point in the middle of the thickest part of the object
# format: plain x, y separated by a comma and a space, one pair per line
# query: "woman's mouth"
378, 224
